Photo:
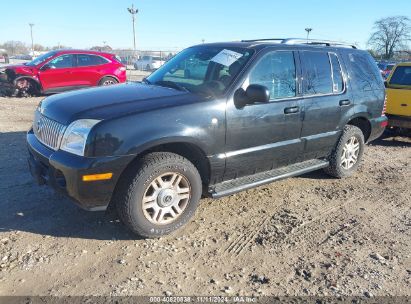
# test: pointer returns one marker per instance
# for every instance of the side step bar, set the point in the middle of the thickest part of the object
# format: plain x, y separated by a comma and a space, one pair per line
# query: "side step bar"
252, 181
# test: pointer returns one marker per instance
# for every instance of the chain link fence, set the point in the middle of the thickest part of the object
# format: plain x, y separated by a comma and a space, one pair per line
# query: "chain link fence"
129, 57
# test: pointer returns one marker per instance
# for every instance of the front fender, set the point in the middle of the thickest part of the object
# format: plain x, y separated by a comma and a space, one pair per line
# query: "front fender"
202, 125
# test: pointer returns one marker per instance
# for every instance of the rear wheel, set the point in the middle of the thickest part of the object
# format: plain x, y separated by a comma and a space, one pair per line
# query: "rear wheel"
347, 154
106, 81
160, 195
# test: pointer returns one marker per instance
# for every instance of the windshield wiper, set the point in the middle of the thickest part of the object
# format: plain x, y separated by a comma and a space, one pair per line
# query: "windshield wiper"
171, 84
146, 81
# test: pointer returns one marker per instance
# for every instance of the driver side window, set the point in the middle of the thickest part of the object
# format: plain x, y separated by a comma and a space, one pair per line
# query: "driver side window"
277, 72
62, 62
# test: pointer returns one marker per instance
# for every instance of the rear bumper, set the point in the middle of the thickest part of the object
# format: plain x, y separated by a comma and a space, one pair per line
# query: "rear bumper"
64, 171
399, 121
378, 126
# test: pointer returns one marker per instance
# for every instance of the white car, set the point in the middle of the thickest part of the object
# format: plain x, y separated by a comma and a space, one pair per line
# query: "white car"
149, 63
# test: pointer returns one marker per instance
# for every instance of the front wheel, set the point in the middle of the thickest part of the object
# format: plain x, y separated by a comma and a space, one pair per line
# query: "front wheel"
160, 195
347, 154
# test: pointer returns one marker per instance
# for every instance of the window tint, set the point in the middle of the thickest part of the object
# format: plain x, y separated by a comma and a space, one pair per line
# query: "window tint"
61, 62
317, 79
276, 71
338, 82
401, 76
89, 60
365, 74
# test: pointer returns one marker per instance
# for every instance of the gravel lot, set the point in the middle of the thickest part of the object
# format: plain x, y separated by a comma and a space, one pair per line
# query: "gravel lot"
310, 235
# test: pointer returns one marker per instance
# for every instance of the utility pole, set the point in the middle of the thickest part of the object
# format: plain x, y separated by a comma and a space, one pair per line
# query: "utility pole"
308, 30
133, 13
32, 41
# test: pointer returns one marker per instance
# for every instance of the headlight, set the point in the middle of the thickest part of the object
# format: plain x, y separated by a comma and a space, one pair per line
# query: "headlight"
75, 137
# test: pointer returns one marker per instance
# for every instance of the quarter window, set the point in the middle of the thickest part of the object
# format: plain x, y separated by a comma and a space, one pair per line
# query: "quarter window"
365, 73
89, 60
277, 72
338, 82
62, 62
318, 78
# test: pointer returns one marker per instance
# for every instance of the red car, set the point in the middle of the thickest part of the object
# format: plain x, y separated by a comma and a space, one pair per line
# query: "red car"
64, 70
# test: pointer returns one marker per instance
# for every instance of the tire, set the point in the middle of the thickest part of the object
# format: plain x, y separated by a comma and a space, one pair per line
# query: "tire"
137, 186
106, 81
345, 159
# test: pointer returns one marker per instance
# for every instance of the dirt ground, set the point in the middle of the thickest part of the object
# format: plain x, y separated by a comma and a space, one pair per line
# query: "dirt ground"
311, 235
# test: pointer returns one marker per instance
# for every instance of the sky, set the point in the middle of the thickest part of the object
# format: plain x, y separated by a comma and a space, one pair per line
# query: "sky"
169, 25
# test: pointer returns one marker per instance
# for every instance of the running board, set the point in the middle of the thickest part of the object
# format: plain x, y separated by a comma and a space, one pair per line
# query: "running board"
252, 181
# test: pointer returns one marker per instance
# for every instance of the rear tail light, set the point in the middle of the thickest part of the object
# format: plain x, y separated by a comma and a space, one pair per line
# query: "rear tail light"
122, 69
384, 108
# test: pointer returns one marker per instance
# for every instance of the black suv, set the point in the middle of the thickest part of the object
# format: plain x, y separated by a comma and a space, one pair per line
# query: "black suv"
214, 120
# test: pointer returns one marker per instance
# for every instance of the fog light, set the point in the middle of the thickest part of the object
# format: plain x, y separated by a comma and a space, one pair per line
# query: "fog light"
97, 177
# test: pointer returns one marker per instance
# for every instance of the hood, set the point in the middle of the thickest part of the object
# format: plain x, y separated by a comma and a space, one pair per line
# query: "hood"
112, 101
21, 69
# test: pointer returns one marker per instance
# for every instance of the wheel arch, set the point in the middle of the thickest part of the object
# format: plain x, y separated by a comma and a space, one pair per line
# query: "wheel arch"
186, 149
109, 75
39, 87
363, 123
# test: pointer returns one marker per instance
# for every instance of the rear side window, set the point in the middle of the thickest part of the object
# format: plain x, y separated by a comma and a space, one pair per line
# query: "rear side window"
89, 60
401, 76
365, 75
277, 72
317, 78
338, 81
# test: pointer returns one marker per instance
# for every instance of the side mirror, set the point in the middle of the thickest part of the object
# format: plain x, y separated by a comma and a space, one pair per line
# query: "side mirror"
255, 93
47, 67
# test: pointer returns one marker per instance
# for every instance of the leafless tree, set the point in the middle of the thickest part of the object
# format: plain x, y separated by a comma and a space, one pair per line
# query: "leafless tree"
390, 34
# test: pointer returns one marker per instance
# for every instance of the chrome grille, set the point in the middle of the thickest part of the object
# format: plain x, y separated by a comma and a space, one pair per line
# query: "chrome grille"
48, 131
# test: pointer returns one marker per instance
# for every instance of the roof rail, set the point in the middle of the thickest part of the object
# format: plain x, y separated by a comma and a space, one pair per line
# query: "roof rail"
305, 41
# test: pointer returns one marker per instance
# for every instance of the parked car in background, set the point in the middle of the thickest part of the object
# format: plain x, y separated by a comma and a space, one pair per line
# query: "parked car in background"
399, 96
149, 63
260, 112
386, 68
64, 70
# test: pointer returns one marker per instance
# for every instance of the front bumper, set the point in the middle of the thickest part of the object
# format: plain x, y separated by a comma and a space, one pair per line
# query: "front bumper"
378, 126
64, 171
399, 121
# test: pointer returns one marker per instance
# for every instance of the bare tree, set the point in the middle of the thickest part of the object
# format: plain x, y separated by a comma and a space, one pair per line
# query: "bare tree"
390, 34
15, 47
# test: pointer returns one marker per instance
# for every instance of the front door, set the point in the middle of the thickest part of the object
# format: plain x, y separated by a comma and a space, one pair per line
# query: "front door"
58, 73
263, 136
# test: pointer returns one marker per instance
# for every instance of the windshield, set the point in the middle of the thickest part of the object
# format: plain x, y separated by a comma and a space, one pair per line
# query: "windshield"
205, 70
41, 58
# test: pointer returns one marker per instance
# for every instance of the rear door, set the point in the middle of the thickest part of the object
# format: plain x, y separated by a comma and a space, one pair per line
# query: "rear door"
90, 69
263, 136
325, 101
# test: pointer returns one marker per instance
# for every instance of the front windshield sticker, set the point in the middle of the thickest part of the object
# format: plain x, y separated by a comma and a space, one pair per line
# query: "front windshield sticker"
226, 57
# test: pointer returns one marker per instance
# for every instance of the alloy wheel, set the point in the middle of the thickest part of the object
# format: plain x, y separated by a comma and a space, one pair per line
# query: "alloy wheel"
166, 198
350, 153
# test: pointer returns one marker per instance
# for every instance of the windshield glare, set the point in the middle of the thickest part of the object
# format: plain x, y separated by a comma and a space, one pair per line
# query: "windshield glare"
41, 59
205, 70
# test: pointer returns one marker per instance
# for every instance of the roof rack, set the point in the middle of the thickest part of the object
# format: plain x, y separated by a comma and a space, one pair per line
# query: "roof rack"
304, 41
